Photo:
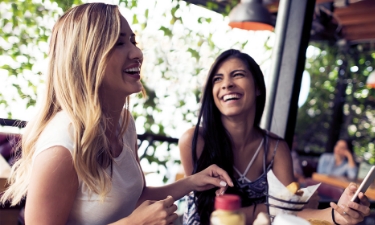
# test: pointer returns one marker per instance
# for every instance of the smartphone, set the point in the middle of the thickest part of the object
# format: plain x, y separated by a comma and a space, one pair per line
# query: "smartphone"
370, 177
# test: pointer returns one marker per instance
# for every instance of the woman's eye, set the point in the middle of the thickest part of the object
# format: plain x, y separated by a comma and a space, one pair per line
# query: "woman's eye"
238, 74
133, 41
215, 79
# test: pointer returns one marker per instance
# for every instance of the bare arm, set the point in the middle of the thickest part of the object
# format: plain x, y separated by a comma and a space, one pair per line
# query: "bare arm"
283, 164
211, 177
187, 162
185, 146
52, 189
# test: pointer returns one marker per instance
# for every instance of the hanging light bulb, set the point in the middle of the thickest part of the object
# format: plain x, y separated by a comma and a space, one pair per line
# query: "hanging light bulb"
251, 15
371, 80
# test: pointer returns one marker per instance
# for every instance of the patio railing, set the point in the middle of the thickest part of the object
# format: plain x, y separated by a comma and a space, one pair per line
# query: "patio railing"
148, 138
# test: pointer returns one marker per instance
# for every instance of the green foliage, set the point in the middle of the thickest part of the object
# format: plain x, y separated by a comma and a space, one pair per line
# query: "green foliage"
315, 116
23, 28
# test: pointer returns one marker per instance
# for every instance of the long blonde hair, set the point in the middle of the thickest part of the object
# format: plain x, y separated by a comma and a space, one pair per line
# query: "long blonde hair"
81, 42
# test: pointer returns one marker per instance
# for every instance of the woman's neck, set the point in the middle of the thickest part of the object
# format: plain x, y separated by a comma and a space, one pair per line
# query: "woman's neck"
112, 113
242, 132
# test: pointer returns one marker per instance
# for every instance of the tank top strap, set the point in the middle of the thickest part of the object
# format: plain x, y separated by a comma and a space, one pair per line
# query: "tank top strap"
265, 152
243, 175
273, 156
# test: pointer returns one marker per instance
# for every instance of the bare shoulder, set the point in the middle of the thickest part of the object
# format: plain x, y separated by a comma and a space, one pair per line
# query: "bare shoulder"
277, 145
187, 137
185, 146
282, 164
57, 158
53, 187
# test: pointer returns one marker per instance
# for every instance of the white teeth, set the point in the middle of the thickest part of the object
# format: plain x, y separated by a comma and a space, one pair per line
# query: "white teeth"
132, 70
231, 96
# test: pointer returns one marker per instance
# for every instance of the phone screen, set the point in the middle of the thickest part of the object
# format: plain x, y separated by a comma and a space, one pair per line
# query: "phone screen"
370, 177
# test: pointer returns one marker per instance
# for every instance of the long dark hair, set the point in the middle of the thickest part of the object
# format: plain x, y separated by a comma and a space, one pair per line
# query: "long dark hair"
217, 142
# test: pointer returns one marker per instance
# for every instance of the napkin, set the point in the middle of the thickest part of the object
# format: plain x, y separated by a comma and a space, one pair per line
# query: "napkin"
278, 190
4, 168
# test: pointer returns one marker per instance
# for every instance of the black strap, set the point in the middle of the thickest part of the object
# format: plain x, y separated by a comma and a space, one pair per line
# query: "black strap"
333, 217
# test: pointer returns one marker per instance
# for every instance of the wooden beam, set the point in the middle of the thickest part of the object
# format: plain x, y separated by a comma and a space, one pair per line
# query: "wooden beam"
357, 19
360, 32
357, 37
358, 7
363, 28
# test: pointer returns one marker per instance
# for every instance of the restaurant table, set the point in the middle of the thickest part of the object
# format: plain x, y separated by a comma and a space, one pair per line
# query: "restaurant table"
343, 183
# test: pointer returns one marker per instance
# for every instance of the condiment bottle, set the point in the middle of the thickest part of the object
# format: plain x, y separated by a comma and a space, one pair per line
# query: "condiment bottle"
227, 211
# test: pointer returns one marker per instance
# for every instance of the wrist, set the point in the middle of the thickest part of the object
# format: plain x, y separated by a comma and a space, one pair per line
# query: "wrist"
333, 217
188, 182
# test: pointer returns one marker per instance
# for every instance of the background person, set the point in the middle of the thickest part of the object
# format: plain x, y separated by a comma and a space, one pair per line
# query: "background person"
340, 162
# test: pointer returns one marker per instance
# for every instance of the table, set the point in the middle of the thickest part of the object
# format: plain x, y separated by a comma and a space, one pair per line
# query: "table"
342, 182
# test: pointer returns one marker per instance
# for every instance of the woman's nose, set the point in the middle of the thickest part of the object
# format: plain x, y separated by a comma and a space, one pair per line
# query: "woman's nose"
227, 83
136, 53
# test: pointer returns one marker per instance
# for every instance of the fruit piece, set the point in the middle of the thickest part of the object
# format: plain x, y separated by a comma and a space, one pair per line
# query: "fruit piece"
293, 187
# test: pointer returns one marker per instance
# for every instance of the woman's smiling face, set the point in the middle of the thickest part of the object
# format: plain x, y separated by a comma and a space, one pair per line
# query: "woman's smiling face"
122, 74
234, 90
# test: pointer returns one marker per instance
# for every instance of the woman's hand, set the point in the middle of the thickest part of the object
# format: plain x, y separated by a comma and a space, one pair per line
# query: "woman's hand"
212, 176
348, 212
154, 213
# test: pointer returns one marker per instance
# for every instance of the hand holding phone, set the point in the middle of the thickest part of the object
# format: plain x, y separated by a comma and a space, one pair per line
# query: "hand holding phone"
370, 177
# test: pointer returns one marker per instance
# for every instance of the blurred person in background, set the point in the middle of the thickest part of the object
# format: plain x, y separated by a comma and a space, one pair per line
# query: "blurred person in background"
339, 163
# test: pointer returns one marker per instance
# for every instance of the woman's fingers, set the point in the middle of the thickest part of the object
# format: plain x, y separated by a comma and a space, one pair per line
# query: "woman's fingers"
167, 202
171, 209
361, 208
363, 199
218, 172
352, 188
348, 214
171, 218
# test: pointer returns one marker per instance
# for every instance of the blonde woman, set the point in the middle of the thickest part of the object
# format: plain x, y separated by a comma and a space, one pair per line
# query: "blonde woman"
79, 161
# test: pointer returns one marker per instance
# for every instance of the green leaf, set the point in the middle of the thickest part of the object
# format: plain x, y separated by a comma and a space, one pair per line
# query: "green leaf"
167, 31
194, 53
135, 19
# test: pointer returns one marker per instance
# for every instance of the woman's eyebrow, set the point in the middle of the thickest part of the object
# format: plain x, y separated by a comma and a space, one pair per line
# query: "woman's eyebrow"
240, 70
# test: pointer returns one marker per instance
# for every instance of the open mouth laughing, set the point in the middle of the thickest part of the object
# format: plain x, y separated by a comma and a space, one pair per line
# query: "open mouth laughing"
230, 97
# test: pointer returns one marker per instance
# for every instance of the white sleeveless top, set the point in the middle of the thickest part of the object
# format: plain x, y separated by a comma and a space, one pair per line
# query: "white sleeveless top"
127, 178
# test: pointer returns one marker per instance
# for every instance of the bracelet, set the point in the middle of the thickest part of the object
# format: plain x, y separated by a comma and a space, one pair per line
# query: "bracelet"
333, 217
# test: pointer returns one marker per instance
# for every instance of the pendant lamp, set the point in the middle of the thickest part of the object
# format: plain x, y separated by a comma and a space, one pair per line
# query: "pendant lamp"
371, 80
251, 15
